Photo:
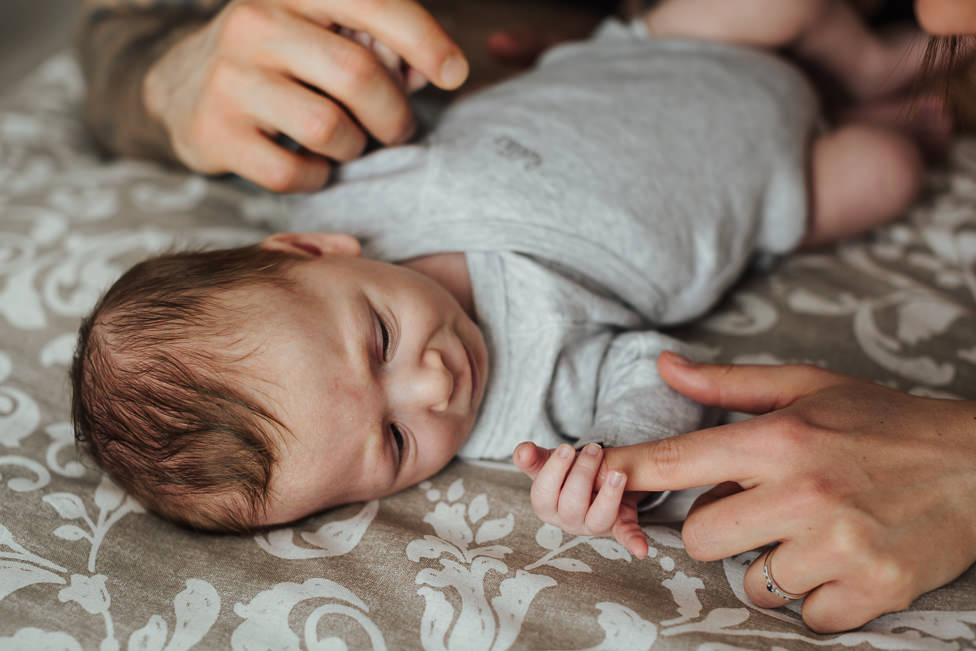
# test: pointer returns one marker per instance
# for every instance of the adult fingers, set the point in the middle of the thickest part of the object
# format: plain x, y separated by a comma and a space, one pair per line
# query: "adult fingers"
741, 520
715, 493
789, 565
750, 388
344, 70
700, 458
257, 159
834, 607
404, 26
282, 106
836, 598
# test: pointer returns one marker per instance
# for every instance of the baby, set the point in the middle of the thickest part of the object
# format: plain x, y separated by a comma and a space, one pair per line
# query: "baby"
517, 264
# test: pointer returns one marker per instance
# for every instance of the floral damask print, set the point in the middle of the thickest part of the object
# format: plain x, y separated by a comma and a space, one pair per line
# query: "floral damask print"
459, 565
196, 609
20, 568
266, 617
481, 623
113, 505
19, 414
331, 539
34, 639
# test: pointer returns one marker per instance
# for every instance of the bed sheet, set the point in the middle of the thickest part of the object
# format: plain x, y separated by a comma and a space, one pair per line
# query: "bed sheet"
460, 561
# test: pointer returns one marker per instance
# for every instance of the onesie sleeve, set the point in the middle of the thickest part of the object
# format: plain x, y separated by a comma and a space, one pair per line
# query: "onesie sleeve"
632, 403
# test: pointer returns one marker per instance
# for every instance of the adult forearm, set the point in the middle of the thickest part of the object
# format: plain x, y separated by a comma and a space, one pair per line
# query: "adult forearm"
116, 47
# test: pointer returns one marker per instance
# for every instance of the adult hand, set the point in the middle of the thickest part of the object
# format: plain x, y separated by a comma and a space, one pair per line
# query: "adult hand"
262, 68
870, 492
563, 494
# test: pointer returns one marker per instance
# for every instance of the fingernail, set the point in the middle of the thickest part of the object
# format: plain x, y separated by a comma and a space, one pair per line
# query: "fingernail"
617, 479
592, 449
564, 451
454, 71
680, 359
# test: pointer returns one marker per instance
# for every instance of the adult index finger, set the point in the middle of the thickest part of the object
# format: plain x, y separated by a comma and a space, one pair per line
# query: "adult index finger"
752, 388
700, 458
405, 27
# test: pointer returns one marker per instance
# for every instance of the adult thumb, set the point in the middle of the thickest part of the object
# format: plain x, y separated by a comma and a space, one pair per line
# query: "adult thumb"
751, 388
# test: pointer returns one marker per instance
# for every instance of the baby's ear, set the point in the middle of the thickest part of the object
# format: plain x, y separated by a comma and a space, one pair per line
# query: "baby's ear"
313, 245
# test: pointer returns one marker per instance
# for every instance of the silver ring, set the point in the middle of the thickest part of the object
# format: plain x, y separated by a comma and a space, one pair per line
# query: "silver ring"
771, 584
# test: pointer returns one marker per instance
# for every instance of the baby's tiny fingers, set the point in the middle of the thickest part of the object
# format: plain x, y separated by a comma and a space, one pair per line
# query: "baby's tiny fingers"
548, 482
629, 534
530, 458
577, 492
606, 505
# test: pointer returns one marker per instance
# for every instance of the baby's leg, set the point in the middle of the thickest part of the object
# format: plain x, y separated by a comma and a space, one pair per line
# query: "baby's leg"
828, 33
862, 176
761, 23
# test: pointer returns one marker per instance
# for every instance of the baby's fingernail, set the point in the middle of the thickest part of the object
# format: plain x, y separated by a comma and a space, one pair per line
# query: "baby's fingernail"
454, 71
592, 449
564, 451
617, 479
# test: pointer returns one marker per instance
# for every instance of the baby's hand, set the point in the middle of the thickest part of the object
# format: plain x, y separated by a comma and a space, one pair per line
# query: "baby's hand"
563, 494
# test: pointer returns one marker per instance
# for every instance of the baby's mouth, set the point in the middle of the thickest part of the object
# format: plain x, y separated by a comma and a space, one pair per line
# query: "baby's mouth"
472, 371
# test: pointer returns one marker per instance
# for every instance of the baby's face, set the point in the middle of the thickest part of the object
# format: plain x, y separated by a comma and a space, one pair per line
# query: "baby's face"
377, 374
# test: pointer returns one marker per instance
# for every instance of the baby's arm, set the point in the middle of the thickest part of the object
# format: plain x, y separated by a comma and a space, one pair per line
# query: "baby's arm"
632, 405
564, 495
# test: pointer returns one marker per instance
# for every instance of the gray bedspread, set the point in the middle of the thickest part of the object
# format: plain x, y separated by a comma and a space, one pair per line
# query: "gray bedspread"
459, 562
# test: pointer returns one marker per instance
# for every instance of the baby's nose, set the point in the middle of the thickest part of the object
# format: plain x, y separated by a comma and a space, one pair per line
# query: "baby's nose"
430, 386
437, 381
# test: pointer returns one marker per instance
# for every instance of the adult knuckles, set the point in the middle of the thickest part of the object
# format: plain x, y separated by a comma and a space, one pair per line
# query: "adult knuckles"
281, 174
850, 536
369, 11
319, 125
356, 67
818, 493
891, 577
834, 620
223, 75
790, 436
881, 586
665, 457
243, 22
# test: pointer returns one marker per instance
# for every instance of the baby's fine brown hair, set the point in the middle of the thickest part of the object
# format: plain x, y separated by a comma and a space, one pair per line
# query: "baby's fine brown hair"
154, 398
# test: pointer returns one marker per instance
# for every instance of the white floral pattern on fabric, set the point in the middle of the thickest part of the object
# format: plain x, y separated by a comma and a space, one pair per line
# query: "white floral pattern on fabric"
461, 561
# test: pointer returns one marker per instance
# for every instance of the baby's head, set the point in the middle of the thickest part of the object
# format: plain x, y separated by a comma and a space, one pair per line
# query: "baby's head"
234, 389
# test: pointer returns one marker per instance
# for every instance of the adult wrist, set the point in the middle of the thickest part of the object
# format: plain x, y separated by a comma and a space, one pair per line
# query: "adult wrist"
116, 52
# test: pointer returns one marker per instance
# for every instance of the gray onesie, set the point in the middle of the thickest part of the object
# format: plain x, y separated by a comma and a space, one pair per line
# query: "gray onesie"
620, 186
